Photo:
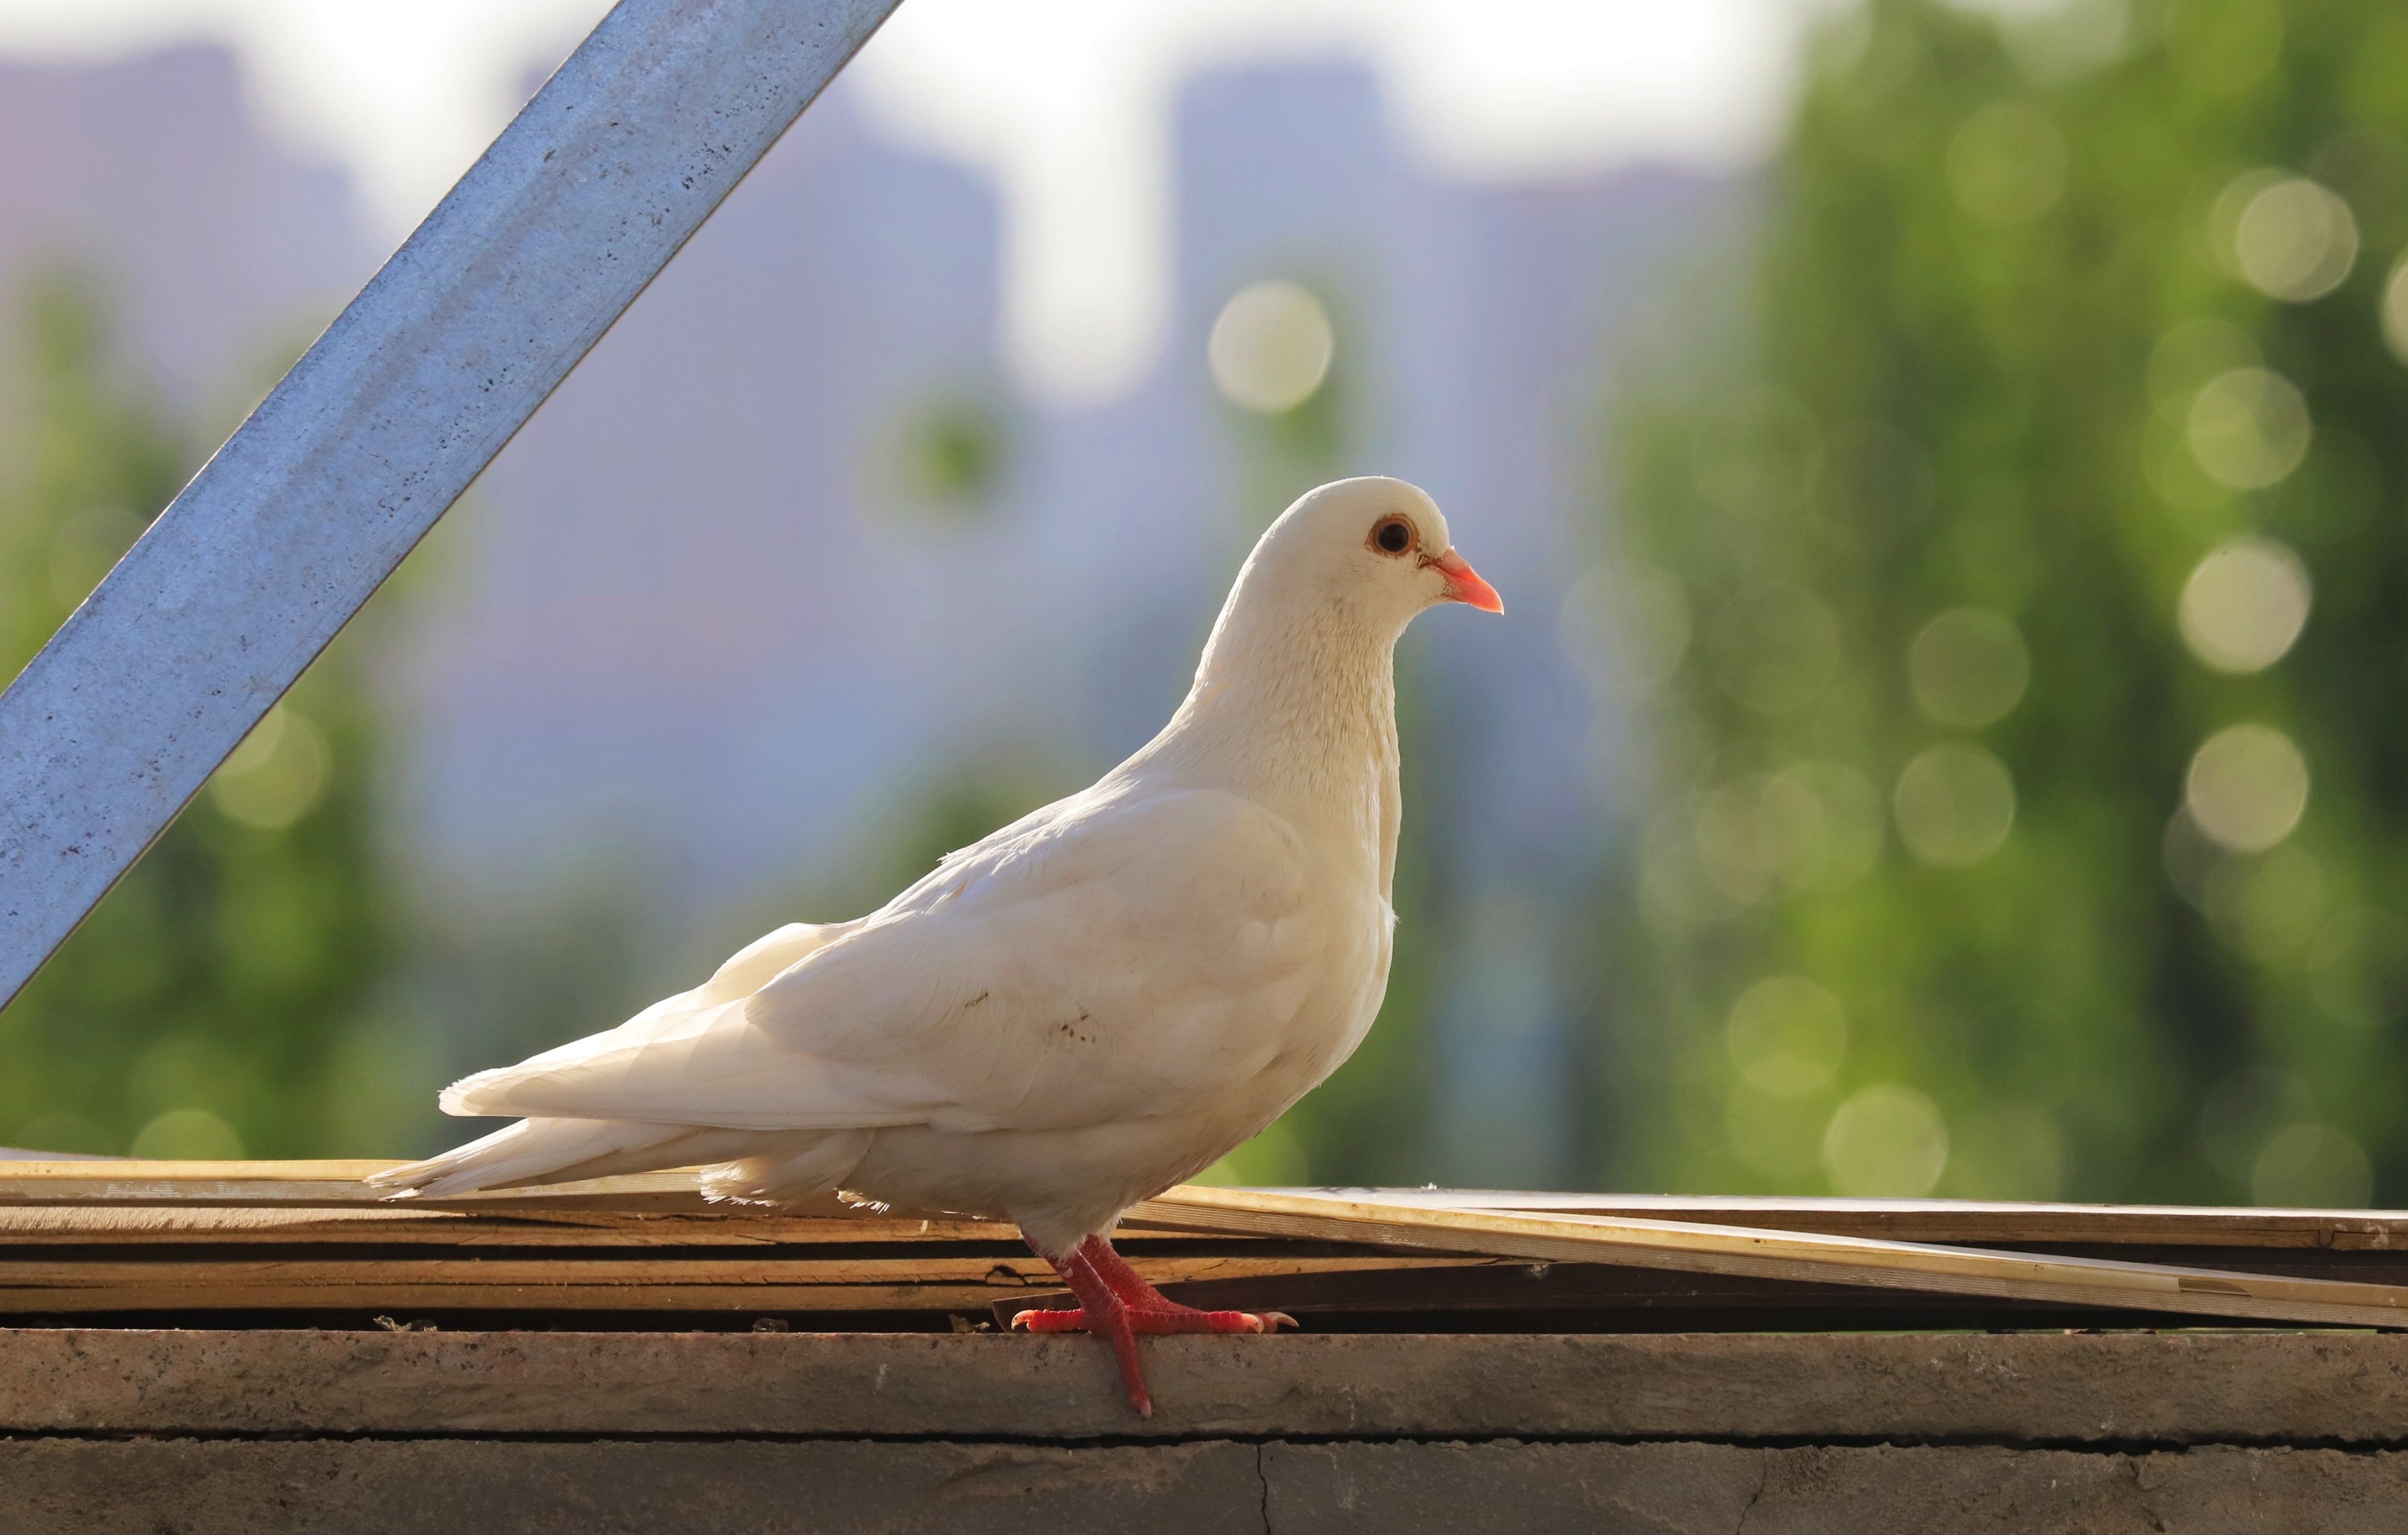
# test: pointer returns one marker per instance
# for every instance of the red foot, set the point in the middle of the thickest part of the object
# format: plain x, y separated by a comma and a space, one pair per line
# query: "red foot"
1108, 1288
1142, 1321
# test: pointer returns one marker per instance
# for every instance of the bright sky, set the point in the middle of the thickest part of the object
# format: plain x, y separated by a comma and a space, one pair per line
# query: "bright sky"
1064, 100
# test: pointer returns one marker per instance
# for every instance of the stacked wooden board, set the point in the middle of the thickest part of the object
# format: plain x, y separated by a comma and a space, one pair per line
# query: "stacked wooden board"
280, 1243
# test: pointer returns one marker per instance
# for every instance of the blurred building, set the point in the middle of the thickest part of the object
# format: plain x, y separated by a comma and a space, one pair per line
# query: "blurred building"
220, 251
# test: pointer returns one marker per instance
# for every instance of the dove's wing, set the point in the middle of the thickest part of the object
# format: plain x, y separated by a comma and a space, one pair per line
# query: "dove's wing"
684, 1015
1113, 957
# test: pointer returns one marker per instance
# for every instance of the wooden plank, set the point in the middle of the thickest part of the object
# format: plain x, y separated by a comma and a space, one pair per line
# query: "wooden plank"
1765, 1253
1973, 1221
967, 1282
327, 1183
1561, 1297
336, 1185
648, 1242
147, 1225
111, 1221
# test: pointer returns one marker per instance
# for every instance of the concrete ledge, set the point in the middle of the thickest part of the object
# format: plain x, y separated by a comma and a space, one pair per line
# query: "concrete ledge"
443, 1486
2125, 1391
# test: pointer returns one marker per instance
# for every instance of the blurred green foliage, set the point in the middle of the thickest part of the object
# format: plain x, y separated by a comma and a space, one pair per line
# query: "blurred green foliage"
222, 998
948, 454
1938, 889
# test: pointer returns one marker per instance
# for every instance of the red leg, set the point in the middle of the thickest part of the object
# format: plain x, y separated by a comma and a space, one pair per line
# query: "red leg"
1099, 1311
1116, 1304
1166, 1314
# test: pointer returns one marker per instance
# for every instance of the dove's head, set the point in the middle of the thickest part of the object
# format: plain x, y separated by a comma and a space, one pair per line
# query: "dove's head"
1374, 546
1298, 674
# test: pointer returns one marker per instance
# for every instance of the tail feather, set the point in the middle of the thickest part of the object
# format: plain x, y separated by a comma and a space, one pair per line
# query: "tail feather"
553, 1151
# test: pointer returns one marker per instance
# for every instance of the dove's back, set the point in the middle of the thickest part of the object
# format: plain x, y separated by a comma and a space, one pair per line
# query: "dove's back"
1090, 963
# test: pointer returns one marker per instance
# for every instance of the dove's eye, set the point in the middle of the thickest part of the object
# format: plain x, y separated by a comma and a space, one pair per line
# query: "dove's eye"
1393, 536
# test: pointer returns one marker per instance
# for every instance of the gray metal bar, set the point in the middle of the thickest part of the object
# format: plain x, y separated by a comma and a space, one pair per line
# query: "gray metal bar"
293, 524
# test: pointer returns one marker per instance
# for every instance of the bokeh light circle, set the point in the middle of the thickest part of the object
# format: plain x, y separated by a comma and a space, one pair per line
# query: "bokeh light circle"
2295, 240
2247, 787
2395, 309
1270, 348
1955, 805
2244, 605
2248, 428
1885, 1141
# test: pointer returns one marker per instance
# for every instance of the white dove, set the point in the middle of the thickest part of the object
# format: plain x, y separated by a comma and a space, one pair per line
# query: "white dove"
1095, 1002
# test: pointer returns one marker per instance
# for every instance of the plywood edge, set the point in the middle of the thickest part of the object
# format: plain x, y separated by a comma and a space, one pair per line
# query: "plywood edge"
1766, 1254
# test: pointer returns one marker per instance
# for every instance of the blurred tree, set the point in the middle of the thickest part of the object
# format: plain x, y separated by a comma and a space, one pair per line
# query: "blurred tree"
222, 1000
1966, 565
946, 456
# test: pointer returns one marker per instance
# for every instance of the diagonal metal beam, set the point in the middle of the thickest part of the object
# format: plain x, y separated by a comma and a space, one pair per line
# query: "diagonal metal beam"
373, 434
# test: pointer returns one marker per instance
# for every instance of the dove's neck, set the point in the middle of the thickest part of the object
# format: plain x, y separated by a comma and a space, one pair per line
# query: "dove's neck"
1297, 712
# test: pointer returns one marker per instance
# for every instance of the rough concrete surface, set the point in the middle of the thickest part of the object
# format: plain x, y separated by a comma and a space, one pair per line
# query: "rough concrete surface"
2151, 1389
455, 1487
213, 1433
1340, 1488
444, 1488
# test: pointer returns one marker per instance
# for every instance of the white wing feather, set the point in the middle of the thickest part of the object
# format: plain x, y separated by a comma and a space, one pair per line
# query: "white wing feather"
684, 1015
1110, 958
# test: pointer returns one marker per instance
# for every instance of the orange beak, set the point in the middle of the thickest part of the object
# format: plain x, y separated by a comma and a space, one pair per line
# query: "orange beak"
1463, 584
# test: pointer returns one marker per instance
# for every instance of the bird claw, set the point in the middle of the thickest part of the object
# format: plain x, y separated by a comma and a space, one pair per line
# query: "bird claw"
1118, 1305
1040, 1319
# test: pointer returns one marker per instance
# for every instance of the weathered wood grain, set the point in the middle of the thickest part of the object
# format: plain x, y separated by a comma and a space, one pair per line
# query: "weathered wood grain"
253, 1185
1778, 1255
774, 1283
